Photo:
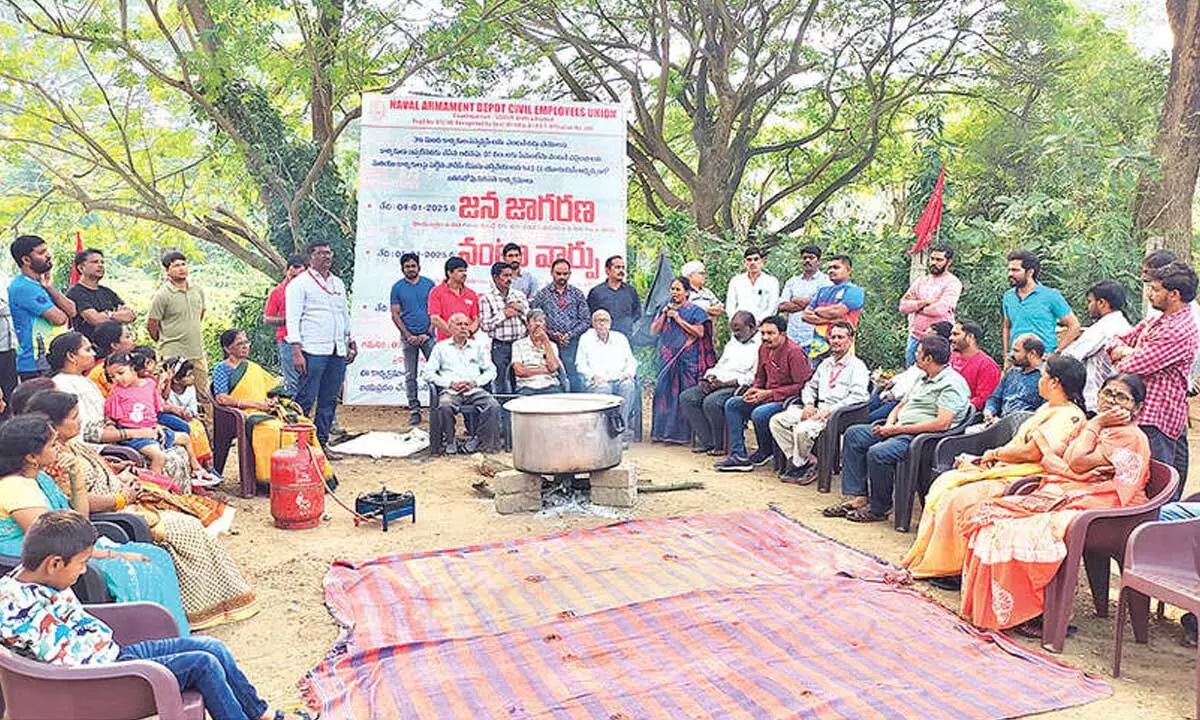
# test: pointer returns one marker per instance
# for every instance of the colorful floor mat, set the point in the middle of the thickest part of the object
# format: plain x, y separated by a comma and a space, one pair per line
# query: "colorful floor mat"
741, 615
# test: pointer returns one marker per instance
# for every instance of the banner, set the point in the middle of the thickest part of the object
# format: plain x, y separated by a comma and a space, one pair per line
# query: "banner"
443, 177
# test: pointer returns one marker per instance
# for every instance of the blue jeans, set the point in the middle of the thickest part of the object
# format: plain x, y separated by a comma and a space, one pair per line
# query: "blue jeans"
869, 463
320, 386
1170, 451
291, 378
910, 351
737, 412
206, 666
1179, 511
174, 422
410, 367
878, 408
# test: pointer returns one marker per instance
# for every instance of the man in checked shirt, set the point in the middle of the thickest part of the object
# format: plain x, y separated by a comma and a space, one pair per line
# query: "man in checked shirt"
502, 311
567, 317
1160, 351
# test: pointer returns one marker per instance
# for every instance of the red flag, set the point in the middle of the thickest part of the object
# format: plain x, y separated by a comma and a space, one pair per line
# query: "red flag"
931, 217
78, 249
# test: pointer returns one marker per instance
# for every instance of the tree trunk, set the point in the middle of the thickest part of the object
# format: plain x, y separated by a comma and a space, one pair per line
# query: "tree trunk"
1163, 209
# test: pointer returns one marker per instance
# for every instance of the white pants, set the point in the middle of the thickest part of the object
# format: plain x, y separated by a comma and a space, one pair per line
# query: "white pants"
794, 436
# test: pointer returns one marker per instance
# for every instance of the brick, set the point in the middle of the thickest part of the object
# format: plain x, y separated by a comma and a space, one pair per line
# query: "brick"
614, 497
514, 481
518, 503
622, 476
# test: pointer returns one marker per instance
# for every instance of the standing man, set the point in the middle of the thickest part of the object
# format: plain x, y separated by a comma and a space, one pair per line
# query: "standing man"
502, 311
1018, 388
799, 291
1031, 307
410, 315
839, 381
460, 370
567, 317
1105, 303
843, 300
782, 371
95, 303
8, 342
617, 297
275, 315
318, 329
1161, 351
1157, 259
977, 367
453, 296
175, 321
870, 453
523, 281
753, 290
39, 310
930, 299
698, 294
704, 402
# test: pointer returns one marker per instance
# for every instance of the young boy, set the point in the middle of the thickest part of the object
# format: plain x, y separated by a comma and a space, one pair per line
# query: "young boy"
41, 619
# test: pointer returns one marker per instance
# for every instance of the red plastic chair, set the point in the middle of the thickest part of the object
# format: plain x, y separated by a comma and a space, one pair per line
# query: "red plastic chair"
1162, 560
120, 691
1096, 537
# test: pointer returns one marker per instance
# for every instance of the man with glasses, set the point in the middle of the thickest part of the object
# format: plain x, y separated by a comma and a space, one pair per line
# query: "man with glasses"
754, 290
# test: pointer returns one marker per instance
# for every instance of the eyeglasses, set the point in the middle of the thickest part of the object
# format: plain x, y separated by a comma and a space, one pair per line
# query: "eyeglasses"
1117, 395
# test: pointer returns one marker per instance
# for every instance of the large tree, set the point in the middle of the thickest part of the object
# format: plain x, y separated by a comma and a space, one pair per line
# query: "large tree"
751, 114
1164, 200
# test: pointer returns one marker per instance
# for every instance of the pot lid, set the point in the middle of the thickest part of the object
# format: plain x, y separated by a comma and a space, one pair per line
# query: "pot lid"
562, 403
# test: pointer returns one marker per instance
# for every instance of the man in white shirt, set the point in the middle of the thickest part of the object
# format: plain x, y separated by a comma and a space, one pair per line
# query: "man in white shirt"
753, 290
1105, 302
799, 291
606, 363
704, 403
460, 369
318, 329
840, 380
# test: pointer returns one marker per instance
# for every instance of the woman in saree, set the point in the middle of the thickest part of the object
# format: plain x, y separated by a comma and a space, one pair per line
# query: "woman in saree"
71, 356
186, 526
132, 571
240, 383
1015, 542
684, 357
941, 545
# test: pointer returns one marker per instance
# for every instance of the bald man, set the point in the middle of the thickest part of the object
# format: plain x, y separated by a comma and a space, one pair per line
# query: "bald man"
460, 368
606, 363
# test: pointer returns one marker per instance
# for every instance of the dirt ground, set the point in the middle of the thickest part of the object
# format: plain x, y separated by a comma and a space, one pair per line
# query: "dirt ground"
294, 631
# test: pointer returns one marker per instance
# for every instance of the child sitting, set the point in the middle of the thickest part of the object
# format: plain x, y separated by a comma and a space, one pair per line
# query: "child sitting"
182, 416
41, 619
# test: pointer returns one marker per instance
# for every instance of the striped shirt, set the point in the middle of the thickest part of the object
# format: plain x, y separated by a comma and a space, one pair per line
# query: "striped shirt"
491, 315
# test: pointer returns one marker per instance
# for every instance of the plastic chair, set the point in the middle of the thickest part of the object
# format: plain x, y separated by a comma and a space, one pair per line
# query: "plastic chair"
229, 426
118, 691
914, 474
993, 436
90, 587
1162, 560
1096, 537
132, 526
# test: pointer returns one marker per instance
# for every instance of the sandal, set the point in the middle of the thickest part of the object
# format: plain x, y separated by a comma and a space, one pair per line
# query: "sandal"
842, 510
864, 515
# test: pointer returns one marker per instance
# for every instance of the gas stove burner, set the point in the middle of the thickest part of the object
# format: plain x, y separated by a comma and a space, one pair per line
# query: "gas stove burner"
385, 505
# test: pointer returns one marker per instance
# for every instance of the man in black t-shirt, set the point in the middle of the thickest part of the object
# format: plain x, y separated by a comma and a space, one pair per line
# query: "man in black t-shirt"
95, 303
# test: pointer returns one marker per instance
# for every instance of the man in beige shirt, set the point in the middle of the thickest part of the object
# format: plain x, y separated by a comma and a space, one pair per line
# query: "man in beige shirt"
175, 319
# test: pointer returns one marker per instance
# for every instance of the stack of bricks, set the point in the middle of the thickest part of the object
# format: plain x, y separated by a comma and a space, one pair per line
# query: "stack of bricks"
616, 487
517, 492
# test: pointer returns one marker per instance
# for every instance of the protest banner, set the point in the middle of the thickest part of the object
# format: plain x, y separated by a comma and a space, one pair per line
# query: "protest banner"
446, 177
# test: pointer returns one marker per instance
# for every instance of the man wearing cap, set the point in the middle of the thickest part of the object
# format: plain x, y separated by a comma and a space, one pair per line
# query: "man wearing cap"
275, 315
699, 295
453, 296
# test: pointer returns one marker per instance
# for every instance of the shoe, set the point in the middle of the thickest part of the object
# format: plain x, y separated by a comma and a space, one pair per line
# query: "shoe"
759, 458
1188, 621
450, 448
716, 452
334, 455
698, 450
415, 418
953, 583
734, 464
202, 479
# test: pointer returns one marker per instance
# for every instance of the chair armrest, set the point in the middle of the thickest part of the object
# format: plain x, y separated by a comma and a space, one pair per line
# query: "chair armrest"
134, 526
1194, 497
1023, 486
164, 688
974, 444
134, 622
1158, 543
110, 530
120, 452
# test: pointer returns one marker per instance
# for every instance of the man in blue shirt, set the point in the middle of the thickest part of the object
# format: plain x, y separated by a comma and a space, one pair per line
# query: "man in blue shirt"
1030, 307
410, 314
1018, 388
39, 310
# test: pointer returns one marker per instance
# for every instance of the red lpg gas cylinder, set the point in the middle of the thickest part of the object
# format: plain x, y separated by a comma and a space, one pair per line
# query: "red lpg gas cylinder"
297, 483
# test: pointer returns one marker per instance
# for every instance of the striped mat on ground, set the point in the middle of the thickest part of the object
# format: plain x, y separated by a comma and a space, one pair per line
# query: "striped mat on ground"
738, 615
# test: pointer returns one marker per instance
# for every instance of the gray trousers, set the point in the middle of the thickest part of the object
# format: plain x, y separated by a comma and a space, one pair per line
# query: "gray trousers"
706, 414
487, 417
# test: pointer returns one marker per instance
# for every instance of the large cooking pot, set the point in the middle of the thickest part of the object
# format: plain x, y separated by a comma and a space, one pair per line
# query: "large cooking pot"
566, 432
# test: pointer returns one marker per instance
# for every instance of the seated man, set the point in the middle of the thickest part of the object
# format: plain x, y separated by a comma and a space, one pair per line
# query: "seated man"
41, 619
870, 453
1018, 389
889, 393
838, 381
977, 367
535, 360
782, 371
459, 367
606, 363
704, 403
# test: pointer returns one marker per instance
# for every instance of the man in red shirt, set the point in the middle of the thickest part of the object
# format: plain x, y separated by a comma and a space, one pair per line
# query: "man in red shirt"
977, 367
275, 315
453, 296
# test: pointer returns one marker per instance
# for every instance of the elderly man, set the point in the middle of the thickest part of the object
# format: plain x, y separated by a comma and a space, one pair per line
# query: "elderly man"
840, 380
704, 403
699, 295
459, 367
607, 365
502, 311
871, 453
1018, 389
535, 360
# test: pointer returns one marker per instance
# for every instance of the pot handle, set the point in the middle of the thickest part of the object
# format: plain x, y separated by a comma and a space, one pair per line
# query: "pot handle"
616, 421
